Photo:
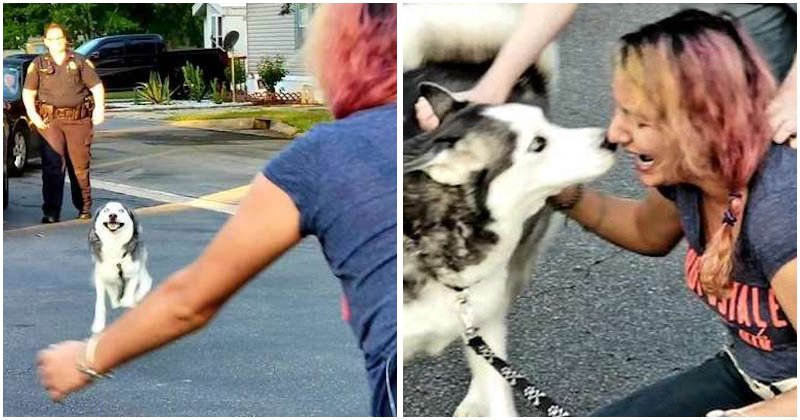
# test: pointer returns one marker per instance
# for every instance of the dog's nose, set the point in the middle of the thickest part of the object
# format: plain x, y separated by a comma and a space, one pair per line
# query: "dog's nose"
112, 217
606, 144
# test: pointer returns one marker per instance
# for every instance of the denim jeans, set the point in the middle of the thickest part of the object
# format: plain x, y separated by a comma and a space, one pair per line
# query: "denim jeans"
384, 393
714, 385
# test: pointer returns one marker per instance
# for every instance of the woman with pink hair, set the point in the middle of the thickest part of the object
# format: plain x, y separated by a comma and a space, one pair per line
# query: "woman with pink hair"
338, 182
691, 96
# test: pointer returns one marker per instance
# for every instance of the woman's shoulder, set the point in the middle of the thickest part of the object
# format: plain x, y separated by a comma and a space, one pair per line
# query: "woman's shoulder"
777, 175
380, 121
772, 207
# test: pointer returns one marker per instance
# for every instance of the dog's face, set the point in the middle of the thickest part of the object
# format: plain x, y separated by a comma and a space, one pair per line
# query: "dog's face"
116, 221
520, 152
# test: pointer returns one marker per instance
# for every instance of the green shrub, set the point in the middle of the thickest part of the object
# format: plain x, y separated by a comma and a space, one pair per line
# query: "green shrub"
240, 72
155, 91
218, 92
271, 71
193, 80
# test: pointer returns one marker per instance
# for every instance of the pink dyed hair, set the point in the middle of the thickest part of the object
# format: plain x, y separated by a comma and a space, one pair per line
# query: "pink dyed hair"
352, 52
710, 88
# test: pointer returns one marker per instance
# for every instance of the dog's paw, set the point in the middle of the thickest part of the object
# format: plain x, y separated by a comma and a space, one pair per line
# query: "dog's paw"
127, 303
471, 408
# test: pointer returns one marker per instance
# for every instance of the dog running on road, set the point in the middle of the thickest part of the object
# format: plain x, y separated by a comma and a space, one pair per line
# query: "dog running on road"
119, 260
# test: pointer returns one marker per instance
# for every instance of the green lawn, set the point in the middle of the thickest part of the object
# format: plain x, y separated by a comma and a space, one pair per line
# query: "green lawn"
301, 118
122, 95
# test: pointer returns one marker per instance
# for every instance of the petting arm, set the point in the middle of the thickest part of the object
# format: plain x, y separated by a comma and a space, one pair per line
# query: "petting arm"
784, 405
265, 226
538, 26
650, 226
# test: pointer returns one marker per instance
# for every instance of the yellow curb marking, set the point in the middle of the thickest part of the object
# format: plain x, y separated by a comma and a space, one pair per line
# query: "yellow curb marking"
223, 202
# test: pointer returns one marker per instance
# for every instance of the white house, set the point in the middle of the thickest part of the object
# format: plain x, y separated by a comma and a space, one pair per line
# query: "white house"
263, 31
219, 19
270, 33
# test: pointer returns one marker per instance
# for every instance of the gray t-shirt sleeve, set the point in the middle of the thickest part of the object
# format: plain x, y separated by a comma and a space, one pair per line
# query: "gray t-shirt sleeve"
773, 216
295, 170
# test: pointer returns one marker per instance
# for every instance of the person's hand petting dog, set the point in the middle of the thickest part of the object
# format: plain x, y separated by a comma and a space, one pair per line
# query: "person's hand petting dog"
783, 117
482, 93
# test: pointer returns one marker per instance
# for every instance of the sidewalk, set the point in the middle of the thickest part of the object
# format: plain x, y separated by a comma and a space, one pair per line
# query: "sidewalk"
130, 106
278, 129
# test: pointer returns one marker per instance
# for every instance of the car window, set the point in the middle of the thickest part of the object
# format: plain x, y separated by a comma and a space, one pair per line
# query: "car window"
87, 47
112, 49
11, 82
141, 47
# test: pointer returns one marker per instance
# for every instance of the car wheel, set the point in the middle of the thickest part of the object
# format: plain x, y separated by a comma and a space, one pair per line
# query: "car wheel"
18, 151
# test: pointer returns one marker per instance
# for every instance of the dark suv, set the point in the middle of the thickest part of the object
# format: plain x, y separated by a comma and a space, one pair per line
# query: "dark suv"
122, 61
23, 142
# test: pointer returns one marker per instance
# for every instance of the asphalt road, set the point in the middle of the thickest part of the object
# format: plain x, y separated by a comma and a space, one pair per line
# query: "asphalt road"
278, 348
596, 322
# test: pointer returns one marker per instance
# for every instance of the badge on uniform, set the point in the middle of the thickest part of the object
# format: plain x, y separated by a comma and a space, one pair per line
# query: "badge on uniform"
72, 66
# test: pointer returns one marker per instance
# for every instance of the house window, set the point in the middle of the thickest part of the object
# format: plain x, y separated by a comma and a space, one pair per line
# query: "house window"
302, 16
216, 31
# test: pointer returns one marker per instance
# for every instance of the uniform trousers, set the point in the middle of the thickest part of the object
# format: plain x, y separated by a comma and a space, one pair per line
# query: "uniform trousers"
67, 147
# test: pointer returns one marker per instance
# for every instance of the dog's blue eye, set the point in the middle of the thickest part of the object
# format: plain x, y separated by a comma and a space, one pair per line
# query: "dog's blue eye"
538, 144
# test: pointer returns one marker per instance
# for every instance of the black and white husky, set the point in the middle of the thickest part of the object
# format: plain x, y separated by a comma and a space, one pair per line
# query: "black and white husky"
119, 261
474, 193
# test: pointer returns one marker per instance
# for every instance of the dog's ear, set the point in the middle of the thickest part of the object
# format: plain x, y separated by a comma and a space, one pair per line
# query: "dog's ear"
421, 149
442, 100
97, 212
95, 244
132, 215
450, 155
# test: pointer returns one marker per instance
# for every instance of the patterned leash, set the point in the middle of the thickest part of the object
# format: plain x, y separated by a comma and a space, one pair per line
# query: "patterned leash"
518, 381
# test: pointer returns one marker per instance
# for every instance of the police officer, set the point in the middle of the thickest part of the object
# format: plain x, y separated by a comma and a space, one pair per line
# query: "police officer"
64, 99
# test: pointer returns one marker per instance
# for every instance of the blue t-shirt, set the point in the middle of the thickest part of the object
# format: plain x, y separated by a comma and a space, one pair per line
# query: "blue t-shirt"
342, 176
764, 341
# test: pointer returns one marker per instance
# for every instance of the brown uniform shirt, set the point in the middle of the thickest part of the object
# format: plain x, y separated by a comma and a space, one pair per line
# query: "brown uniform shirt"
63, 86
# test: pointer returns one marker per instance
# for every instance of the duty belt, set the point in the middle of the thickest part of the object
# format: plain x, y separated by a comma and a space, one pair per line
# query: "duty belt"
77, 112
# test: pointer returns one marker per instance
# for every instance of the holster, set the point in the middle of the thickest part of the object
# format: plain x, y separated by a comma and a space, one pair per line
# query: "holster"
49, 112
45, 111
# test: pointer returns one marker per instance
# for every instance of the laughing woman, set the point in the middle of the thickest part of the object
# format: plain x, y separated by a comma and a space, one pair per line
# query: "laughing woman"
337, 183
691, 98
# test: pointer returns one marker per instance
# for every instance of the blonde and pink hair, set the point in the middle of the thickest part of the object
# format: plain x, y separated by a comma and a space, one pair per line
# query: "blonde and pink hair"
352, 52
704, 81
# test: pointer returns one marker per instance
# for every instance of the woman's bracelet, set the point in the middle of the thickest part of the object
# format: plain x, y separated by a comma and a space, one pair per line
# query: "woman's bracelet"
88, 359
569, 204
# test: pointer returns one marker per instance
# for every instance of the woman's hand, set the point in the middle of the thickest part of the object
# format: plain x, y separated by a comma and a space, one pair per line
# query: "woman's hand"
428, 120
783, 118
58, 369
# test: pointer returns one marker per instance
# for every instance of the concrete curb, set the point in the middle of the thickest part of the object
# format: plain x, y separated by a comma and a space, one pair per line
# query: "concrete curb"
278, 130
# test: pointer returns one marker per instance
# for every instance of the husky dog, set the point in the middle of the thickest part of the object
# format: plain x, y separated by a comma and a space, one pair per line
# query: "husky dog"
474, 201
119, 261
